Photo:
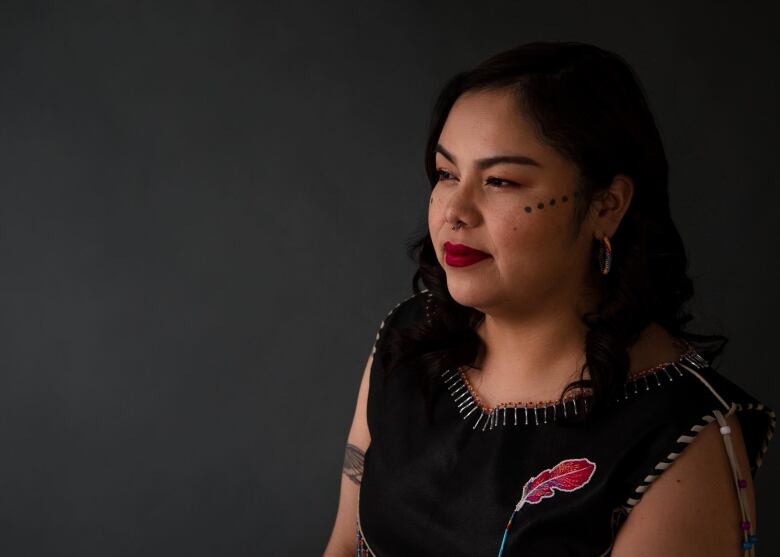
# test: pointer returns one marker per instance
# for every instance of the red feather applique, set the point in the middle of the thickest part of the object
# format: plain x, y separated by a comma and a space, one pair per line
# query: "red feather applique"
568, 475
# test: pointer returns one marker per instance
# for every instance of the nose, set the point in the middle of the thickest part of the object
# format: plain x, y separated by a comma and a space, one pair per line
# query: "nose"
461, 206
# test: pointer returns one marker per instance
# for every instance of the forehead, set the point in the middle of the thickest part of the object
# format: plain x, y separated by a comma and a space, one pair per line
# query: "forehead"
487, 123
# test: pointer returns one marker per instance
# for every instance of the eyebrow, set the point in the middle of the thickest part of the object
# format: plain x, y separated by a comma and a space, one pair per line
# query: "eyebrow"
482, 164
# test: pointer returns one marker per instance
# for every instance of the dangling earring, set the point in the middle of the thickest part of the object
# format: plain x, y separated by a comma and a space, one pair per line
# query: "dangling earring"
605, 255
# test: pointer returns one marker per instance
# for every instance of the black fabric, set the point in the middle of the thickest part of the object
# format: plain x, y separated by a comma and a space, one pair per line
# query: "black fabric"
445, 488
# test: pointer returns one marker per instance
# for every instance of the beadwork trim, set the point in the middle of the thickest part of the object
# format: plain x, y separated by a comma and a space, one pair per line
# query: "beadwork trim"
689, 436
362, 548
389, 313
686, 439
468, 401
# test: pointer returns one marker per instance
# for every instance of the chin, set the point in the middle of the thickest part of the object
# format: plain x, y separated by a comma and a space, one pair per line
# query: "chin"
471, 293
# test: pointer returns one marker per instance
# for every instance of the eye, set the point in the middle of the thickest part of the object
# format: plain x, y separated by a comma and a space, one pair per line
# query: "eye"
443, 174
499, 180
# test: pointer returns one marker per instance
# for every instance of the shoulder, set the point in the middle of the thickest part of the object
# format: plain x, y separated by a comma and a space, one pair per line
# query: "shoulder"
693, 508
682, 470
674, 406
402, 313
713, 391
386, 397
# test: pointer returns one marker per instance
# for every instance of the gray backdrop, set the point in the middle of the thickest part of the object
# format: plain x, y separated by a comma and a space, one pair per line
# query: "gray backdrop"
203, 208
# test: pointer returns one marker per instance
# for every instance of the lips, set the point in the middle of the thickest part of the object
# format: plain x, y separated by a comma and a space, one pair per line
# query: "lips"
461, 249
461, 255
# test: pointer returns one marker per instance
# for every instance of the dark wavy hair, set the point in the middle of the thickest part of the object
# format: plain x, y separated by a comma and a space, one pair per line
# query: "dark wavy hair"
588, 104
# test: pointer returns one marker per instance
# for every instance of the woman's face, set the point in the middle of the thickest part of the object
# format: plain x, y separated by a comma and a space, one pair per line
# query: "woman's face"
520, 213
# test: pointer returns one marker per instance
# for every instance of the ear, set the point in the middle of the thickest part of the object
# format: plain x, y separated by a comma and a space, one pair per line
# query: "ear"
610, 205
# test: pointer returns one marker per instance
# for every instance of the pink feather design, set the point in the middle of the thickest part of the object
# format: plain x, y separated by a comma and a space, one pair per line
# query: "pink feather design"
568, 475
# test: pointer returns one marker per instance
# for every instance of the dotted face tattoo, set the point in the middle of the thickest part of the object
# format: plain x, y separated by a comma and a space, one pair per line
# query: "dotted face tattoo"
540, 205
551, 203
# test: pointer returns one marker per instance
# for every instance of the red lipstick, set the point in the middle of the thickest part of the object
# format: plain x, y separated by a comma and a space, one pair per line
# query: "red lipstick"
461, 255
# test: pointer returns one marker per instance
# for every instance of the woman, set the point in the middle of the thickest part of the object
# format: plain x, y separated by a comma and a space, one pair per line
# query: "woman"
541, 394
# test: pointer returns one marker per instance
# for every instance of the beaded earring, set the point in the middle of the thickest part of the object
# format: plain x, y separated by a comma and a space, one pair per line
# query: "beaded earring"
605, 255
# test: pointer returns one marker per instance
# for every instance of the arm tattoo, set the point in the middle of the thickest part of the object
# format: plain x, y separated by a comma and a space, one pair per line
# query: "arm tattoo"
353, 463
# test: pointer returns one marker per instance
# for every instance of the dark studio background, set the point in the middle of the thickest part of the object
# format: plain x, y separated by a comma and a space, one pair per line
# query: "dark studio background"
203, 208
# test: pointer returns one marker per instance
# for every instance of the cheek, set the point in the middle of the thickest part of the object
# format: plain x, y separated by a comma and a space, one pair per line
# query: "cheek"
436, 225
517, 236
434, 217
522, 234
434, 209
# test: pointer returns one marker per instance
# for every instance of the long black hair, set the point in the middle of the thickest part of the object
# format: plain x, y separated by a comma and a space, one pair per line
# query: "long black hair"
588, 104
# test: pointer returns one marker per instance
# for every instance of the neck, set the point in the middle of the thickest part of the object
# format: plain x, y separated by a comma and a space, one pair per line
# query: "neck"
535, 357
532, 357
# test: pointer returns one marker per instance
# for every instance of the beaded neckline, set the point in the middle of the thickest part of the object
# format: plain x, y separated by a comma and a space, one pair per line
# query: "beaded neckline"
537, 412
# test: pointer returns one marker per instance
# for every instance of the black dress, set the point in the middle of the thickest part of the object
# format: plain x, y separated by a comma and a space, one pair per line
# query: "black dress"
450, 487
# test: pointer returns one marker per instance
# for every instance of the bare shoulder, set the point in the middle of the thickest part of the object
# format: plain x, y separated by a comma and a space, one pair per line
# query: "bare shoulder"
692, 509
